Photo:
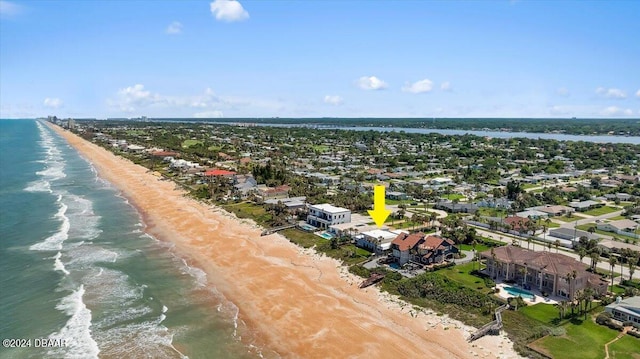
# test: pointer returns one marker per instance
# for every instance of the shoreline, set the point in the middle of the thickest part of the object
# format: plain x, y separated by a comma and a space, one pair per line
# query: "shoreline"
301, 303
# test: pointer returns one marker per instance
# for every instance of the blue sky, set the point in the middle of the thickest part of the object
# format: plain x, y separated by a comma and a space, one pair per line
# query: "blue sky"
319, 58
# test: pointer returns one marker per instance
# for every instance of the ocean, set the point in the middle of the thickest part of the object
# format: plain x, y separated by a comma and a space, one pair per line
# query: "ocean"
77, 266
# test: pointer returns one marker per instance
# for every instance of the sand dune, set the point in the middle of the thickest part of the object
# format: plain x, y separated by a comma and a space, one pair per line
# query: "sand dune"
301, 304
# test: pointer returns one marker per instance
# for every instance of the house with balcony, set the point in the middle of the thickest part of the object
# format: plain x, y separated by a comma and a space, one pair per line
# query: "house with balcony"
422, 248
325, 215
552, 273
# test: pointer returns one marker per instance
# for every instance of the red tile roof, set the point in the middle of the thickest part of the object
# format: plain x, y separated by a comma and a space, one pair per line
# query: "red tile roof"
406, 241
518, 222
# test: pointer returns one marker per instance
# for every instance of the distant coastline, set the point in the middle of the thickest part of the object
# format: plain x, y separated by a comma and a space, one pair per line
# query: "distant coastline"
523, 127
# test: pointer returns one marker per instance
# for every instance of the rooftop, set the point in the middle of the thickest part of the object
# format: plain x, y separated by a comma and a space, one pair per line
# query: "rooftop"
326, 207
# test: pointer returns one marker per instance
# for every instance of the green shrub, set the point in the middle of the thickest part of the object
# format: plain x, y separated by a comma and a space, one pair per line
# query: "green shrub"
360, 271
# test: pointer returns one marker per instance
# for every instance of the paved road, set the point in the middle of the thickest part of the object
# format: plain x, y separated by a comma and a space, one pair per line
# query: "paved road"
468, 257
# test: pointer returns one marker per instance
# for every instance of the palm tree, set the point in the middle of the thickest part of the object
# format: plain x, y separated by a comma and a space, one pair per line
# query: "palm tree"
612, 262
433, 216
582, 252
557, 243
473, 247
632, 261
595, 258
493, 263
528, 242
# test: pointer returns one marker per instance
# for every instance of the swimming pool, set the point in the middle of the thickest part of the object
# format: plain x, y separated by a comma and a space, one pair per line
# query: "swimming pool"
307, 227
519, 292
326, 235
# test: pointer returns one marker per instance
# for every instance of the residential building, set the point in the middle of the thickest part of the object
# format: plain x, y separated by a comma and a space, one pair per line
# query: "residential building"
274, 192
325, 215
555, 210
585, 205
533, 214
422, 248
547, 272
622, 226
571, 234
516, 223
377, 240
625, 310
395, 195
452, 207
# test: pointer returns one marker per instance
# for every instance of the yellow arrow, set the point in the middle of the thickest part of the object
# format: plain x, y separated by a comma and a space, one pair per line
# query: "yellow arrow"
379, 213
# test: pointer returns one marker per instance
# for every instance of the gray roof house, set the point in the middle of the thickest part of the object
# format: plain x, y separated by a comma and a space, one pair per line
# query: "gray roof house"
627, 310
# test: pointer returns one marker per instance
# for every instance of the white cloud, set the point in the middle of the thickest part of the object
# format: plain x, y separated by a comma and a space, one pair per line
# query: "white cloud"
174, 28
228, 10
446, 86
137, 99
333, 100
371, 83
616, 111
421, 86
562, 91
610, 93
8, 8
209, 114
52, 102
638, 94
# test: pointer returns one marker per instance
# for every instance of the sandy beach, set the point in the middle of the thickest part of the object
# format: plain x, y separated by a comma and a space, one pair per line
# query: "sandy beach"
301, 304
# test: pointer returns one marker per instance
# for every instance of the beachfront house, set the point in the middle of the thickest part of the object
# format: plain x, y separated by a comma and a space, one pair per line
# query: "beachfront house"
325, 215
377, 240
550, 273
422, 248
627, 310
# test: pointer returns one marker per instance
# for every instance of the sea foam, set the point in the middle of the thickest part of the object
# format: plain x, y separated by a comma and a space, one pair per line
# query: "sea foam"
77, 330
54, 242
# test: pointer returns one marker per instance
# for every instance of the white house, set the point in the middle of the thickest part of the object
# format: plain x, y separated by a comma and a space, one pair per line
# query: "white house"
627, 310
377, 240
325, 215
623, 226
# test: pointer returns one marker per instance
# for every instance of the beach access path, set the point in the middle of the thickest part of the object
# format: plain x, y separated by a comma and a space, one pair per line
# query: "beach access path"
300, 304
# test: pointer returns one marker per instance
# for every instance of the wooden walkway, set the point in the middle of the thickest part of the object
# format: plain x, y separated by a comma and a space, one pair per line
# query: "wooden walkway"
492, 328
269, 231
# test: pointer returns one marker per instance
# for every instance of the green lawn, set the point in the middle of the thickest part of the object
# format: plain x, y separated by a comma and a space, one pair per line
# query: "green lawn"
600, 211
461, 274
212, 148
189, 143
249, 210
573, 218
626, 347
584, 340
616, 218
302, 238
545, 313
492, 212
453, 196
553, 225
586, 226
468, 247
